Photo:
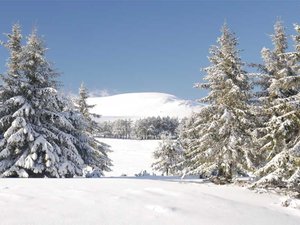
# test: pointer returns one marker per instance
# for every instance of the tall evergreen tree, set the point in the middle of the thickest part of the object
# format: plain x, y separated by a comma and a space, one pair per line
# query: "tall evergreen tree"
14, 45
94, 152
40, 136
280, 106
83, 106
13, 78
223, 146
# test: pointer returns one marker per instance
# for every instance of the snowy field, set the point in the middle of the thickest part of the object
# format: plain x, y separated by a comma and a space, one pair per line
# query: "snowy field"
128, 201
136, 200
130, 157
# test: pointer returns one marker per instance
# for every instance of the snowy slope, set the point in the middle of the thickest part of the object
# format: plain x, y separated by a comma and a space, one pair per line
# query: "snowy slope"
128, 201
130, 157
140, 105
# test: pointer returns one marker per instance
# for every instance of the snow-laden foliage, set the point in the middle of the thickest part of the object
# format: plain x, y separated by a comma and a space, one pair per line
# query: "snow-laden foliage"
42, 136
277, 137
82, 104
297, 37
121, 128
155, 127
168, 156
94, 152
220, 142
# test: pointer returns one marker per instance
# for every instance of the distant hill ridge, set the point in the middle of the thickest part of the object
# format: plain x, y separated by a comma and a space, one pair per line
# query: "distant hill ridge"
141, 105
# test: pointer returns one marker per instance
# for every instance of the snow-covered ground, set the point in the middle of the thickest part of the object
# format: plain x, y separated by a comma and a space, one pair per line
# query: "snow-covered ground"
133, 201
130, 157
141, 105
136, 200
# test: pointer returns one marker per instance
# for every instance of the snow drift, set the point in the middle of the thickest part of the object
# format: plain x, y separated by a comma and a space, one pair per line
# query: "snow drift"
115, 201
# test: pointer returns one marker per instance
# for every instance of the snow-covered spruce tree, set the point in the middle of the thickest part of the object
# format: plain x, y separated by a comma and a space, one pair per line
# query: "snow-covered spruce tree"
83, 106
13, 80
188, 137
13, 44
93, 152
168, 155
38, 137
84, 109
278, 137
222, 143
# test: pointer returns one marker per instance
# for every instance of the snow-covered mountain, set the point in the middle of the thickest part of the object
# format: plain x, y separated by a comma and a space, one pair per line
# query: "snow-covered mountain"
140, 105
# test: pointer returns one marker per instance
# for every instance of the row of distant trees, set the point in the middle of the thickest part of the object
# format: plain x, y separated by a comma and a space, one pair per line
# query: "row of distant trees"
147, 128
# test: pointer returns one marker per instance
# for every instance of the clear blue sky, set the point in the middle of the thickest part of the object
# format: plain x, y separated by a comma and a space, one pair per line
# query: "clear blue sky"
136, 46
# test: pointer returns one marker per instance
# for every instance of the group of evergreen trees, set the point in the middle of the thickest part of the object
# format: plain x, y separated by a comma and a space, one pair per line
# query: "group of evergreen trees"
143, 129
42, 133
243, 129
250, 123
156, 127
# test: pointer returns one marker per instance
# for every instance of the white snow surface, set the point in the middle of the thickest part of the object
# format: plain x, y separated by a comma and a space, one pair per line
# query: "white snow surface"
141, 105
130, 157
134, 201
